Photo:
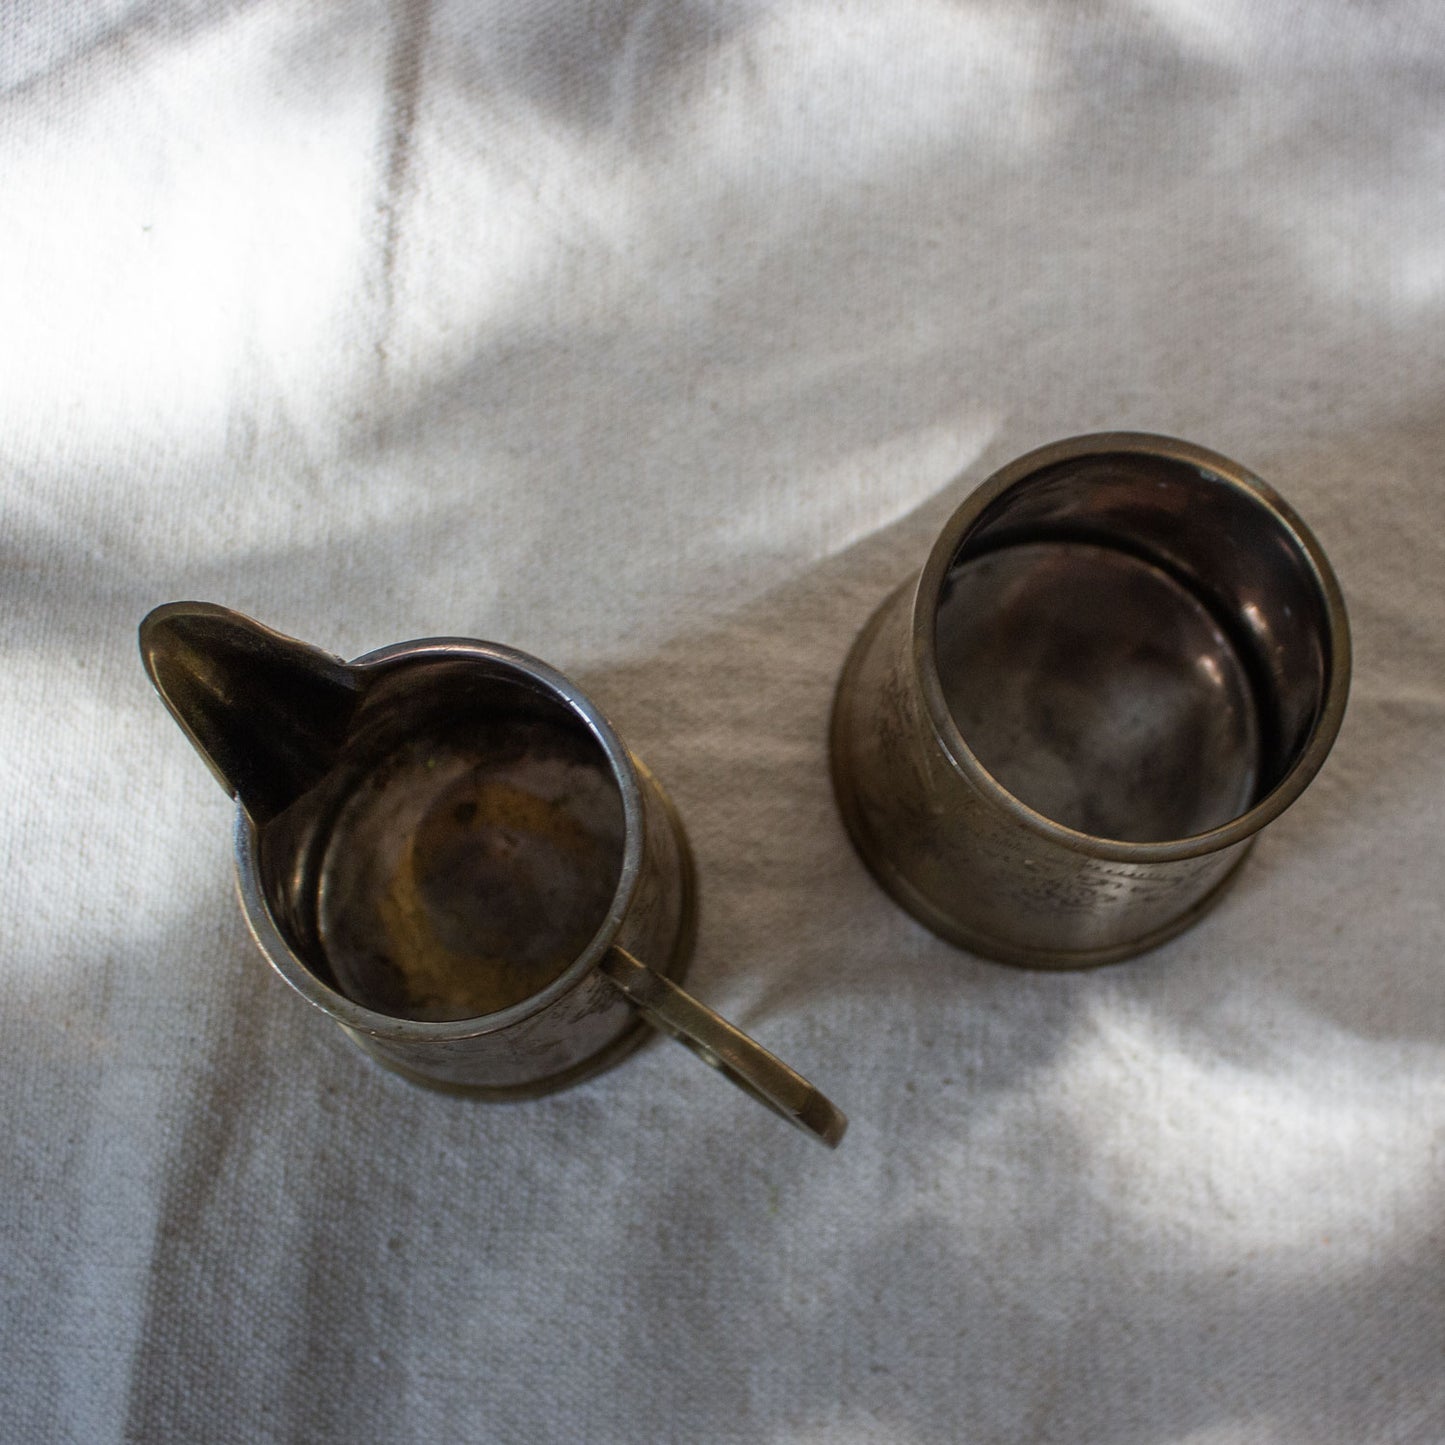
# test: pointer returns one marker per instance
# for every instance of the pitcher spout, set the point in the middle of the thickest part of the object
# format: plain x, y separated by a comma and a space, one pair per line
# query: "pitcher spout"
268, 713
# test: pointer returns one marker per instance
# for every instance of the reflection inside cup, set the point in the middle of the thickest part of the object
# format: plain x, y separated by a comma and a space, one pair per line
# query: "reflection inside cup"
1098, 690
469, 866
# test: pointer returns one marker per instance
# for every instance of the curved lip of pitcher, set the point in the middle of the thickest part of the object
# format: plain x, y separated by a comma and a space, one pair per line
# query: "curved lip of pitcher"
357, 1016
924, 612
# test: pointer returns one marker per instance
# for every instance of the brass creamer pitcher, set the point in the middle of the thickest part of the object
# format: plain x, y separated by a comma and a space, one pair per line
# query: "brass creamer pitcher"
446, 847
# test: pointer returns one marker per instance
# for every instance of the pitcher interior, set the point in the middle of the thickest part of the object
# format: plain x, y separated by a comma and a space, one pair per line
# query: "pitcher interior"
463, 852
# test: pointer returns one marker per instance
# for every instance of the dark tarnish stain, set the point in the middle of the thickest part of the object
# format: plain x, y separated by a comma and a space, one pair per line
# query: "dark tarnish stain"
471, 868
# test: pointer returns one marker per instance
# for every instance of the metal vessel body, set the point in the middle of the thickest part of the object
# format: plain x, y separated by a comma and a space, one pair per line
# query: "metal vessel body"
576, 1025
1256, 630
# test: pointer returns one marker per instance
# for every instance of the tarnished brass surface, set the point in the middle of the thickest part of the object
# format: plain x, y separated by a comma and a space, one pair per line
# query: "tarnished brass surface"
1124, 656
463, 874
445, 846
638, 1030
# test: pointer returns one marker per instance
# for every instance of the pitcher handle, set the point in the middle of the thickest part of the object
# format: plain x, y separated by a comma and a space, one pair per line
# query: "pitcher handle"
730, 1051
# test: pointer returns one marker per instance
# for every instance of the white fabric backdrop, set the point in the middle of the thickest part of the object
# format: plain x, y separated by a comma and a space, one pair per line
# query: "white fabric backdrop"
658, 340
